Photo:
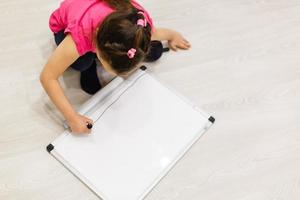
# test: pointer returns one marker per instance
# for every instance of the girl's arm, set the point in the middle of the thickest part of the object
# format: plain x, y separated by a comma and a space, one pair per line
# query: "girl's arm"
175, 39
63, 56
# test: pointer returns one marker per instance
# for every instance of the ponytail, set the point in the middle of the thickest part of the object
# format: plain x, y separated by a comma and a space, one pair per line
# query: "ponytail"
119, 4
140, 32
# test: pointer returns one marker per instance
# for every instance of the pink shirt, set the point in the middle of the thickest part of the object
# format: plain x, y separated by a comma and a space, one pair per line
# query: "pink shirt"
81, 17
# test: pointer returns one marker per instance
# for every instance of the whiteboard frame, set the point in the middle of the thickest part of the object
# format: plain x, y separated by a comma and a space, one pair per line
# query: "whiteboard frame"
88, 105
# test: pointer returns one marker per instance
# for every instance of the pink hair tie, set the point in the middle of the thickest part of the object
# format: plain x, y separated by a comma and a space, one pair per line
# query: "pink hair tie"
131, 53
142, 22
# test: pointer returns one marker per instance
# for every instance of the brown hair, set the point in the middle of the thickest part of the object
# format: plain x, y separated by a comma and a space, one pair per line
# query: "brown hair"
118, 33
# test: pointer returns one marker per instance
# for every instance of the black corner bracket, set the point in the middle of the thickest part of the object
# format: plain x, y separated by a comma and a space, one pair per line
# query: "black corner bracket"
50, 147
211, 119
143, 67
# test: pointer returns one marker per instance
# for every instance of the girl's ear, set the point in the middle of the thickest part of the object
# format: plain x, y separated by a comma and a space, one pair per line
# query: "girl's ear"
98, 54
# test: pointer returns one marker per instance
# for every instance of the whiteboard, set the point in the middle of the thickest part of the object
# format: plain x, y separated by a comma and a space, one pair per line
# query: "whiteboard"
141, 129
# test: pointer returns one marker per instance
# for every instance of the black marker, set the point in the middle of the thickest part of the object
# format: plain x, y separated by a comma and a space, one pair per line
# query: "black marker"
89, 126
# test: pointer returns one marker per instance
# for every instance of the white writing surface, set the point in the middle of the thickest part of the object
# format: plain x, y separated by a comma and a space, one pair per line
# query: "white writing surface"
138, 134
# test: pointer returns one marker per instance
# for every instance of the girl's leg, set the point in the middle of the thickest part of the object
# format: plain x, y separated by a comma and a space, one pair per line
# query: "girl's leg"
86, 64
89, 80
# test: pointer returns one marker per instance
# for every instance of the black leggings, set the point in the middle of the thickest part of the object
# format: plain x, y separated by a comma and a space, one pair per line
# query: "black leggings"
83, 62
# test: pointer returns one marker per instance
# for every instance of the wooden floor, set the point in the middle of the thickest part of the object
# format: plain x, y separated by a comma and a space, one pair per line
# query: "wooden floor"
243, 68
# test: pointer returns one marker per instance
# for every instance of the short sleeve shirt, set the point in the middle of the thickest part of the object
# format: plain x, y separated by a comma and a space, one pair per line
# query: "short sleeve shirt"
81, 18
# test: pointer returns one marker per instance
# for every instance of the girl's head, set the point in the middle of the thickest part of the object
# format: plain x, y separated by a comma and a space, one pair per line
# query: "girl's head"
122, 43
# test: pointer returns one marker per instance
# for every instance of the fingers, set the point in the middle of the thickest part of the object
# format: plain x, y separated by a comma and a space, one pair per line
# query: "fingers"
173, 46
88, 120
182, 44
87, 128
186, 42
88, 131
78, 124
82, 130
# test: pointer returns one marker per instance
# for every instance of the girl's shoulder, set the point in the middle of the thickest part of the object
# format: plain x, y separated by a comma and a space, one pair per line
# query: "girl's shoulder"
79, 18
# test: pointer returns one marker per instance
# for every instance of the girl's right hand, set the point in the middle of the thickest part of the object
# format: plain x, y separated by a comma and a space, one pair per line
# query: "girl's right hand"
78, 124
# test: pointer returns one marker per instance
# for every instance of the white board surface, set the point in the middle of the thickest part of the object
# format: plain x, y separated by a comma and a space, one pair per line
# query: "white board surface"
141, 129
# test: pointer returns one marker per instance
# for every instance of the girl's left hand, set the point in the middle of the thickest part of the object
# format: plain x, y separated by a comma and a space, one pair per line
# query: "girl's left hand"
177, 41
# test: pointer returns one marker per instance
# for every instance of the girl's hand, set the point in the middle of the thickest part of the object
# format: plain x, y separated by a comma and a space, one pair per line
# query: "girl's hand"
178, 41
78, 124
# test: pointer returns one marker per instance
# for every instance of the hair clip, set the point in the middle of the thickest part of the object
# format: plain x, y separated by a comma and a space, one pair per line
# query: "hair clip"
142, 22
131, 53
142, 13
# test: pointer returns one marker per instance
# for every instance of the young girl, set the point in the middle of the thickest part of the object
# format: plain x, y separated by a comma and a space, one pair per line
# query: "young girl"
117, 32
